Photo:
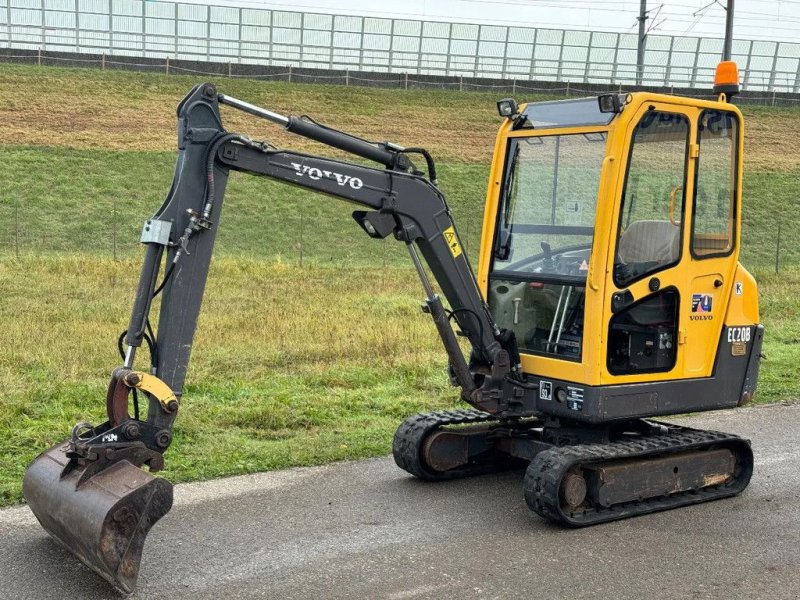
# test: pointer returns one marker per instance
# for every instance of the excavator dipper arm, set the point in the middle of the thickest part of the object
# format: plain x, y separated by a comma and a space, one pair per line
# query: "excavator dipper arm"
90, 492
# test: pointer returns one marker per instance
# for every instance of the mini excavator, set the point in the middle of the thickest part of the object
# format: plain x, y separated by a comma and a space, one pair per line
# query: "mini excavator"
608, 292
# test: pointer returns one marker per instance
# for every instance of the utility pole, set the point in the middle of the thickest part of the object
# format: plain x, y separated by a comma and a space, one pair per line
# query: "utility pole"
640, 48
726, 49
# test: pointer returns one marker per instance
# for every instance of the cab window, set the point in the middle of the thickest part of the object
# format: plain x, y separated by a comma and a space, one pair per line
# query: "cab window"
543, 240
650, 232
714, 210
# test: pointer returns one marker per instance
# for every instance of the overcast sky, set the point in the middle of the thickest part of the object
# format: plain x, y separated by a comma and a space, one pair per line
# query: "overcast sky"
755, 19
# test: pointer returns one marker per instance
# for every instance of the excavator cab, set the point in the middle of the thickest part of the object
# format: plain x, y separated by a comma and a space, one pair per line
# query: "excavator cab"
608, 292
610, 248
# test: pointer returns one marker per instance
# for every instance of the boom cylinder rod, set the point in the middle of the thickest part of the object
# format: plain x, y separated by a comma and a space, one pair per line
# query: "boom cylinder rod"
319, 133
457, 362
253, 109
423, 276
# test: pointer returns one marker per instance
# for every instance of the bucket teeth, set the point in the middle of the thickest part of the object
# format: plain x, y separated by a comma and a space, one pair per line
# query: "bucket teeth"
104, 519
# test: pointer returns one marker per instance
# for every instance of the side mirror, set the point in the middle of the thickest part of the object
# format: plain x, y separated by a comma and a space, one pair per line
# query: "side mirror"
609, 103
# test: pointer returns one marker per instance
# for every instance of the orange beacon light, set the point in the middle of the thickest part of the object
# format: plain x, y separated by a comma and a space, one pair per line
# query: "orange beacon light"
726, 79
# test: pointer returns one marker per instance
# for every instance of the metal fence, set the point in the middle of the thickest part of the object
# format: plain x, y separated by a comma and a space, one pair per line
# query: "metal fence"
200, 32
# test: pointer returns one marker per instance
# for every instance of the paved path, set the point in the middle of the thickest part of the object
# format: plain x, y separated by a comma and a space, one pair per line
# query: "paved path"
366, 530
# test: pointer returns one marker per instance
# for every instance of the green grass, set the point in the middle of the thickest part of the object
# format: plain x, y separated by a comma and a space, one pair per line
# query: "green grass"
293, 364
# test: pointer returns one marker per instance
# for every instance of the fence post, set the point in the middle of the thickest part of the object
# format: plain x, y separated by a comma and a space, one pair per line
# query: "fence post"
797, 79
406, 80
77, 27
668, 71
103, 62
208, 33
114, 228
8, 21
290, 73
567, 92
347, 76
560, 74
513, 87
693, 78
16, 227
773, 97
449, 47
239, 46
301, 238
774, 66
229, 69
505, 54
460, 83
39, 56
175, 32
166, 66
588, 64
615, 64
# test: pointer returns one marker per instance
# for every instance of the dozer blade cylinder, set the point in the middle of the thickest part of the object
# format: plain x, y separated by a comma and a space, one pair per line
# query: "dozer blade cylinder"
103, 520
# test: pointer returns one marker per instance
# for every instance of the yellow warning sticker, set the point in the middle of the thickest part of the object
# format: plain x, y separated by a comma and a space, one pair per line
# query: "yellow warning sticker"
452, 240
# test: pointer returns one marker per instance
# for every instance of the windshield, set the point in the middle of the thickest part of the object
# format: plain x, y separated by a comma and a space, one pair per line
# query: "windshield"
547, 211
543, 241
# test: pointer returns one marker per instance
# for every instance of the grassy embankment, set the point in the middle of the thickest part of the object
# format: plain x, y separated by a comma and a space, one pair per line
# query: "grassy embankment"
292, 364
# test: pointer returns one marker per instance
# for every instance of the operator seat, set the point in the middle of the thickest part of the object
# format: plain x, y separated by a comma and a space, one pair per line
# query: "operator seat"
650, 241
651, 244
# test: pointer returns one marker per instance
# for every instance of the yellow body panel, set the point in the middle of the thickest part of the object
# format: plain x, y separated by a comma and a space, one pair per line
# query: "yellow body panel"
743, 305
731, 287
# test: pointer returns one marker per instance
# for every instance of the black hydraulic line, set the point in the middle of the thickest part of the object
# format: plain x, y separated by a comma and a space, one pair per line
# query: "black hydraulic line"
428, 160
153, 345
469, 311
167, 275
212, 155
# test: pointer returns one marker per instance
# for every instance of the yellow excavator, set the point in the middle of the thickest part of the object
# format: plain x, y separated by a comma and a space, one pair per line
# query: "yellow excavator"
608, 292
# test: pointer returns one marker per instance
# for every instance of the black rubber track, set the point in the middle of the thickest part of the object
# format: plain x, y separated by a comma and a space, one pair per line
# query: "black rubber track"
542, 483
412, 433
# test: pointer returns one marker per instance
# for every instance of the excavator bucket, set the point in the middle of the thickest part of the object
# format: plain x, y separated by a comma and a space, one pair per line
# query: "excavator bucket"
102, 518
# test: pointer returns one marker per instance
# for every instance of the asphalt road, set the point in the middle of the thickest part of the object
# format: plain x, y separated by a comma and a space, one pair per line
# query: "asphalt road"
366, 530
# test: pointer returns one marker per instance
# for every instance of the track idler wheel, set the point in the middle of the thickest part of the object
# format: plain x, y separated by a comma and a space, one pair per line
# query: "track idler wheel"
103, 518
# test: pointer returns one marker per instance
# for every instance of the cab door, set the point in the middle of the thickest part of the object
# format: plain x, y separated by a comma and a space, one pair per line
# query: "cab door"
713, 232
648, 300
